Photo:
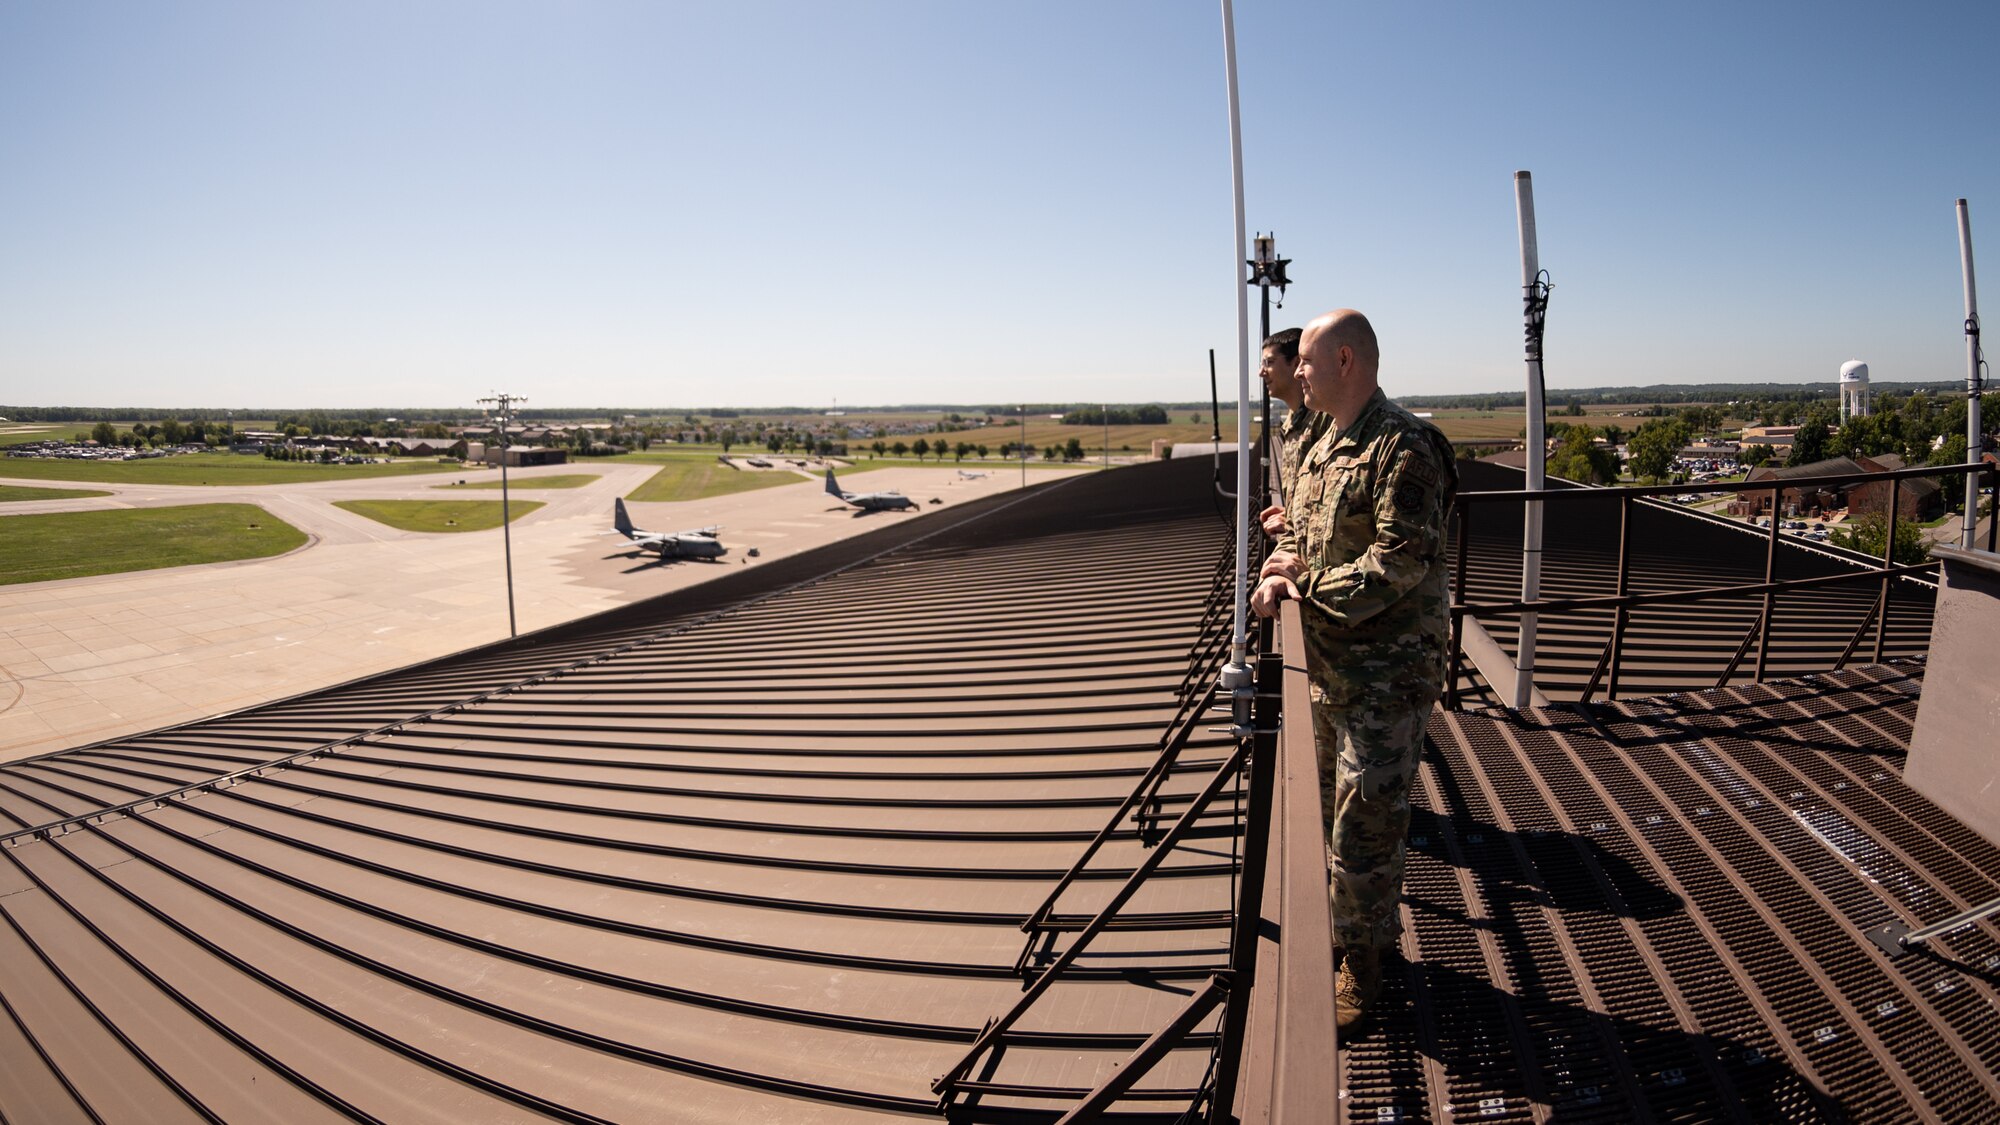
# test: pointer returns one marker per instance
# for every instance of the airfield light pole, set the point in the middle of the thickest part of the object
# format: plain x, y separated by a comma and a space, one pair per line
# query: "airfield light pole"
1537, 447
1024, 445
1973, 362
502, 410
1106, 419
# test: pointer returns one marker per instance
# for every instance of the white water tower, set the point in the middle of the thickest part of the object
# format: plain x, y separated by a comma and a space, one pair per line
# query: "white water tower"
1853, 390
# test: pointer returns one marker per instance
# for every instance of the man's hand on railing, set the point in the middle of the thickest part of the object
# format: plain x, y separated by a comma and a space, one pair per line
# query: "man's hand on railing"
1283, 564
1272, 590
1273, 520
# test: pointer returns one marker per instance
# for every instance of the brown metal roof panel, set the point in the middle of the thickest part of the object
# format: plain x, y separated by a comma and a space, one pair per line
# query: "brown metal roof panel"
467, 1046
1052, 762
927, 789
944, 897
757, 913
383, 918
755, 844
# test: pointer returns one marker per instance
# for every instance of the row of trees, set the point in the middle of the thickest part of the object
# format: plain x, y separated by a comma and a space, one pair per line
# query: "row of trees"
1118, 416
172, 431
1072, 451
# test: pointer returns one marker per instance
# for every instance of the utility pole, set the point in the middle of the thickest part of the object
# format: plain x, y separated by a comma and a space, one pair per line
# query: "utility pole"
1106, 408
501, 408
1024, 445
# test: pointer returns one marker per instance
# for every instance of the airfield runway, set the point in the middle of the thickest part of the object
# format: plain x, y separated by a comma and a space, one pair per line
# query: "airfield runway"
85, 659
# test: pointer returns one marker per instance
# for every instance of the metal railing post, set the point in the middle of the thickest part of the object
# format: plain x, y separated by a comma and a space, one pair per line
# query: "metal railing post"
1888, 560
999, 1027
1624, 575
1155, 1048
1243, 938
1993, 514
1770, 596
1458, 606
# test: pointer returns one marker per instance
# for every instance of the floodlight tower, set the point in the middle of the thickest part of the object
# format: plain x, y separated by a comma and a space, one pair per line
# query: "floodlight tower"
500, 407
1267, 270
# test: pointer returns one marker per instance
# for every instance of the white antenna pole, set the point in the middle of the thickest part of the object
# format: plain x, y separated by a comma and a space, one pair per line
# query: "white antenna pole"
1238, 673
1531, 523
1972, 431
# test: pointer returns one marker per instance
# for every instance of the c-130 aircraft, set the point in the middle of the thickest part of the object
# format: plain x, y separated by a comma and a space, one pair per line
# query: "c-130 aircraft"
697, 544
868, 501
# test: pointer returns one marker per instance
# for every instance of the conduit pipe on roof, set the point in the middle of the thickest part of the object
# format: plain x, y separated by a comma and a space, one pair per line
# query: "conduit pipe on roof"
1973, 435
1531, 522
1236, 676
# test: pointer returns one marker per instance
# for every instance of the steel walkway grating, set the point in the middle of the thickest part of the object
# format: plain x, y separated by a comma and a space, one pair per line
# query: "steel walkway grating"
1668, 925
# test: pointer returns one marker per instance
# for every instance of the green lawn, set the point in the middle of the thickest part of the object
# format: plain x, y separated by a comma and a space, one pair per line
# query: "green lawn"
39, 548
59, 433
698, 480
438, 515
566, 480
970, 465
13, 492
207, 468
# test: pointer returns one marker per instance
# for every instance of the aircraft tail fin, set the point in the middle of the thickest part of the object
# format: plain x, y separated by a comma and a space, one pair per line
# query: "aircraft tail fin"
619, 519
833, 486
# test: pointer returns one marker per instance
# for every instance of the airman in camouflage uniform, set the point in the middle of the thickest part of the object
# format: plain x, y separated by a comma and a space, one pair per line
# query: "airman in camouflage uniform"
1366, 559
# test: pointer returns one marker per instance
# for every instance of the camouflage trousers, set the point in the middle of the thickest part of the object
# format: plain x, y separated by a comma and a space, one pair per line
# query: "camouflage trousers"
1368, 755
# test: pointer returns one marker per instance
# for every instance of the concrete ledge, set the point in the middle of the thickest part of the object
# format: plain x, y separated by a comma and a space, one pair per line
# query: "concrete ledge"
1954, 754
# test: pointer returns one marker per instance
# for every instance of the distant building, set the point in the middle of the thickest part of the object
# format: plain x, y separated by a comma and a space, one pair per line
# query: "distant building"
514, 456
1916, 497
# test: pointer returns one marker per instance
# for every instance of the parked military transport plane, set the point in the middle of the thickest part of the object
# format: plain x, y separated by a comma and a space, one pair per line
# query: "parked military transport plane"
868, 501
697, 544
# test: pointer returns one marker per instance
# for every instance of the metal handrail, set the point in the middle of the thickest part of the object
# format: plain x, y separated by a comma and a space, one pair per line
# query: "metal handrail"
1623, 601
1288, 1074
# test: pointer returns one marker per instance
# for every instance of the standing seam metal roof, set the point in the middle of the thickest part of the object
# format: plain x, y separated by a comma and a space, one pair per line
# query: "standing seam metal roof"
763, 864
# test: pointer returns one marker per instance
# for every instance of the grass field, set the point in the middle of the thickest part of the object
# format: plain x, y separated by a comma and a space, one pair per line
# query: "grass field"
207, 468
698, 480
438, 515
970, 465
566, 480
12, 436
39, 548
12, 492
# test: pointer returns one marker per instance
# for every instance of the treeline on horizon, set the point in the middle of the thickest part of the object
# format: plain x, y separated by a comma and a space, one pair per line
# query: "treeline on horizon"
1664, 393
1080, 413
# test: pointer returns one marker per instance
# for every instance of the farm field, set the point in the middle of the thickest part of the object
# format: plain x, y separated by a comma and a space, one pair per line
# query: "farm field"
209, 469
41, 548
438, 515
10, 493
566, 480
690, 479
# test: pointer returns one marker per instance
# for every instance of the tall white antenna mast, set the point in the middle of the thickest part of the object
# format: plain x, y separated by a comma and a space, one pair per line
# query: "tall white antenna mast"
1537, 446
1236, 675
1973, 381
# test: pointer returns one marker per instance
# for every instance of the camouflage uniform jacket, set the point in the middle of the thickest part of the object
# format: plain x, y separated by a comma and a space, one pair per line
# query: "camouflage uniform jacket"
1369, 523
1301, 429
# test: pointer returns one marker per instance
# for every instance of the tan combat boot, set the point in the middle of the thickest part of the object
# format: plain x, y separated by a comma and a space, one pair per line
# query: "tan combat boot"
1356, 988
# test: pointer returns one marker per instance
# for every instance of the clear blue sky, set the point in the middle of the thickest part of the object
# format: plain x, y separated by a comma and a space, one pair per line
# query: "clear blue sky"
649, 203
